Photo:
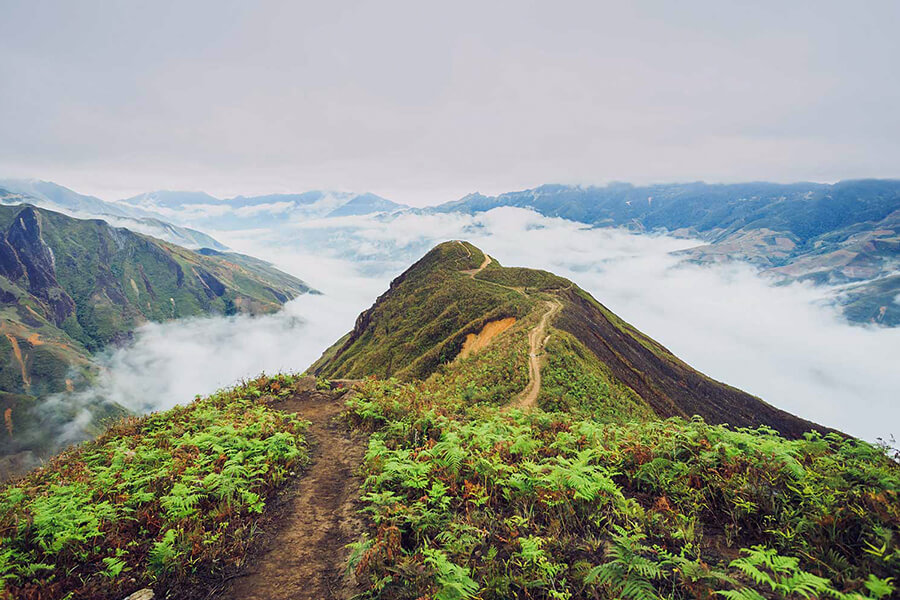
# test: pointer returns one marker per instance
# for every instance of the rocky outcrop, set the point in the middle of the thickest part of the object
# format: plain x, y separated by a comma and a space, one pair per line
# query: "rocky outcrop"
212, 286
27, 260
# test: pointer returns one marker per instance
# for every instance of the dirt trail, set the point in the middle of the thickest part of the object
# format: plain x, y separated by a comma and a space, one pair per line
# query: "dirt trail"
473, 272
537, 338
305, 555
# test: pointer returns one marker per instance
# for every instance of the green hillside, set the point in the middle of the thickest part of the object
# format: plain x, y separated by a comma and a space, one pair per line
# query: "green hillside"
69, 287
507, 437
422, 321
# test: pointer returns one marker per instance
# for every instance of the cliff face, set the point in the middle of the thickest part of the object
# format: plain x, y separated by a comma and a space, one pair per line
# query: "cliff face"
25, 258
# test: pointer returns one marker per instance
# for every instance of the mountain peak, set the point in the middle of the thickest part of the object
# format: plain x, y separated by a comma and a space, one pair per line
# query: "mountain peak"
421, 324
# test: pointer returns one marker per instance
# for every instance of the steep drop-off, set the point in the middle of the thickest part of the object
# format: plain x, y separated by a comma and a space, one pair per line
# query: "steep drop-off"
71, 287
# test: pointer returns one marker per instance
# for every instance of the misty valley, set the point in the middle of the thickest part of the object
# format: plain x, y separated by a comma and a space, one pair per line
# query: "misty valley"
152, 325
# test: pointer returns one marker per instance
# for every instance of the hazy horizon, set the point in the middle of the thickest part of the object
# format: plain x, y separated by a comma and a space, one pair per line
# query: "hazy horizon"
258, 193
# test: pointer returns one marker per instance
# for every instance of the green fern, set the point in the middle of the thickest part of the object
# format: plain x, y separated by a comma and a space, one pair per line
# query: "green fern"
627, 573
453, 581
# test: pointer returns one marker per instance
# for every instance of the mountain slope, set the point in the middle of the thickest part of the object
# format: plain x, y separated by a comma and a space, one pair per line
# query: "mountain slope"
422, 322
830, 234
70, 288
98, 282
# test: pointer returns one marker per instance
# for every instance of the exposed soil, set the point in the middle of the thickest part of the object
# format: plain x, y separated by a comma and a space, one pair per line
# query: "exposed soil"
478, 341
537, 339
305, 554
17, 352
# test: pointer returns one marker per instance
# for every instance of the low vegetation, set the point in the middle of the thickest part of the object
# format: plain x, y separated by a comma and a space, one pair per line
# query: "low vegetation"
421, 322
592, 496
575, 380
154, 501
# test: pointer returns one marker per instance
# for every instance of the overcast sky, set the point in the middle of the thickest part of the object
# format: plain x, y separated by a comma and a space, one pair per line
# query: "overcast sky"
423, 102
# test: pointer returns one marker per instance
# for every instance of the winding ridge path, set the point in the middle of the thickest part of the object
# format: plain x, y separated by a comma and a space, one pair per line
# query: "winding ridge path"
537, 339
316, 517
473, 272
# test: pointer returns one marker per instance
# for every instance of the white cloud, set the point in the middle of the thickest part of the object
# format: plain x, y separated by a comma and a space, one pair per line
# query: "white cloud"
170, 363
273, 208
779, 342
494, 96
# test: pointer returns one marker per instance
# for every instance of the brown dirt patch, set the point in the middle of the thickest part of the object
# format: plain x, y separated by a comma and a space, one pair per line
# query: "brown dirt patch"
478, 341
473, 272
17, 352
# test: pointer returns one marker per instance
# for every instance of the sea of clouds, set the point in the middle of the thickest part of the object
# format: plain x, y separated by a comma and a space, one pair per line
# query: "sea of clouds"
783, 343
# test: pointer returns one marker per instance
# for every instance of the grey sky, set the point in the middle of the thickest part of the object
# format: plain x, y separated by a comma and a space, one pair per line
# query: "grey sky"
423, 102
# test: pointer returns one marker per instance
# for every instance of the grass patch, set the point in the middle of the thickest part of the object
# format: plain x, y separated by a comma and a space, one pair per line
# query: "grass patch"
575, 380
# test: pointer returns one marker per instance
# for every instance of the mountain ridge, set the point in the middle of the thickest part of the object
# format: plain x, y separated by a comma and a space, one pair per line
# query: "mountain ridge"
844, 236
832, 234
61, 199
455, 290
204, 210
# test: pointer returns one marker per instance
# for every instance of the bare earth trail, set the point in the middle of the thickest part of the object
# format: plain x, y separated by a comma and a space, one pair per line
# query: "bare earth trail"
537, 339
316, 517
473, 272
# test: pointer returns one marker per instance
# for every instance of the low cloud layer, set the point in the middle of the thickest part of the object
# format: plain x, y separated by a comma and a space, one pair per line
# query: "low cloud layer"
170, 363
782, 343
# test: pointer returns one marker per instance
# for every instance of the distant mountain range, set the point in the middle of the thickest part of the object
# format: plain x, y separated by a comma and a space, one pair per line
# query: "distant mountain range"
61, 199
846, 234
173, 215
246, 212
